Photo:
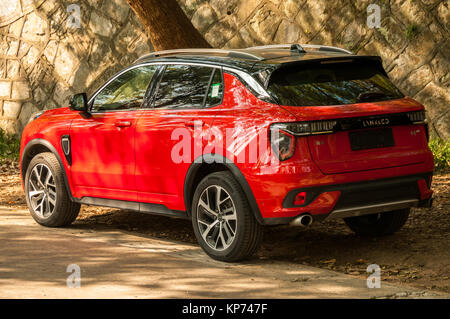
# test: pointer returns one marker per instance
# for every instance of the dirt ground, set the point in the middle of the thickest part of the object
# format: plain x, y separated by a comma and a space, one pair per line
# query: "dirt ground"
418, 255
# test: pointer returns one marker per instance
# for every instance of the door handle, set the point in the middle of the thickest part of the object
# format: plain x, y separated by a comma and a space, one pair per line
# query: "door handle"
192, 124
123, 124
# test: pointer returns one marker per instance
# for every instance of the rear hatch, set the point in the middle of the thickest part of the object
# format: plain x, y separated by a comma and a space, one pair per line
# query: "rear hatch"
358, 119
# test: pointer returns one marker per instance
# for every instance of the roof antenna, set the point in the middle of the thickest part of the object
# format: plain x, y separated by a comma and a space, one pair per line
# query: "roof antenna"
297, 48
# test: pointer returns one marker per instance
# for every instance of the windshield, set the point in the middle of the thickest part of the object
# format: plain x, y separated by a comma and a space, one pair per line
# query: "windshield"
332, 83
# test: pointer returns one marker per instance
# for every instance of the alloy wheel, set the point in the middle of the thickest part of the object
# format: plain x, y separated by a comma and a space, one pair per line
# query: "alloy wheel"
216, 217
42, 191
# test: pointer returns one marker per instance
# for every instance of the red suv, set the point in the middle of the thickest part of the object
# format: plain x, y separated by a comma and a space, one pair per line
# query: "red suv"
235, 140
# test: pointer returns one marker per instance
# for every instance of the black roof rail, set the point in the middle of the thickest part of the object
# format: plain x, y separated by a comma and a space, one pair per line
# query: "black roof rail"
301, 48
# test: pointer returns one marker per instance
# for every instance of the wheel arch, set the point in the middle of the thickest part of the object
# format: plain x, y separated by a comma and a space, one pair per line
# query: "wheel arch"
35, 147
210, 163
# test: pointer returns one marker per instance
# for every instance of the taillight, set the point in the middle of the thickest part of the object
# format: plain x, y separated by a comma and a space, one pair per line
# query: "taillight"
417, 117
283, 143
307, 128
420, 117
282, 135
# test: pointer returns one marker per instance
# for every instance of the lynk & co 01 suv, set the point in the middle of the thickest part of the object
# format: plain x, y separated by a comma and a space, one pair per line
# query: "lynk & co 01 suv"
235, 140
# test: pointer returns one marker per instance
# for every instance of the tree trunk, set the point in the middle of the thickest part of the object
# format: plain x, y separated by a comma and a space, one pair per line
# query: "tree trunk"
166, 24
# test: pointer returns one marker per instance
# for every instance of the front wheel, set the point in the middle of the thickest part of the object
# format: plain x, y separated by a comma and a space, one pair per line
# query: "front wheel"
46, 193
378, 224
222, 219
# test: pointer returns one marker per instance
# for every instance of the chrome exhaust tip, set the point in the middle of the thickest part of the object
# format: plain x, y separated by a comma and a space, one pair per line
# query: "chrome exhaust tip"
304, 220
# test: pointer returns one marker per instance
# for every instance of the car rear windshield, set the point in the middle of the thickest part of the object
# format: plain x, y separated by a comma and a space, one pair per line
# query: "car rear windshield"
332, 83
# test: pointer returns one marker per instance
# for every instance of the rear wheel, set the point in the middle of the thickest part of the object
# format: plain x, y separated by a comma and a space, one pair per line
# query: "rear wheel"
378, 224
46, 193
222, 219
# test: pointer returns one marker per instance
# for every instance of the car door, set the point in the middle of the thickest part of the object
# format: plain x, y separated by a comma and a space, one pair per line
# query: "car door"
103, 161
180, 107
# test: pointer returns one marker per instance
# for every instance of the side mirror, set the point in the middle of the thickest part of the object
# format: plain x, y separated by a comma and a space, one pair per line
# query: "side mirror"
79, 103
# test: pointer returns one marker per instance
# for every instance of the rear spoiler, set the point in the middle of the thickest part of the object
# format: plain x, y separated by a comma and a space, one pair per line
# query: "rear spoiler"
264, 76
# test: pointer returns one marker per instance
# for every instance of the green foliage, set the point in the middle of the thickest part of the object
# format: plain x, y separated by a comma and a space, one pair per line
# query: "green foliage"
9, 146
441, 152
411, 31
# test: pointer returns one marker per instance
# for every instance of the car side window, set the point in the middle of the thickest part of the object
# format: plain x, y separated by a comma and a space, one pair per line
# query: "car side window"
127, 91
183, 86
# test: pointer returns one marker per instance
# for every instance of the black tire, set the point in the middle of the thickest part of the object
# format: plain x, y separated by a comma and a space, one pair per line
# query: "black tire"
248, 232
65, 211
378, 224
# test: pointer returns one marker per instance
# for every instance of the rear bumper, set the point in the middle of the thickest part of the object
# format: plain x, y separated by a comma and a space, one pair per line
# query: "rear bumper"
360, 198
378, 208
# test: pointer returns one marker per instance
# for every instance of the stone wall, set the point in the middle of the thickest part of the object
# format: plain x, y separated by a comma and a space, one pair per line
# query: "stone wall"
43, 60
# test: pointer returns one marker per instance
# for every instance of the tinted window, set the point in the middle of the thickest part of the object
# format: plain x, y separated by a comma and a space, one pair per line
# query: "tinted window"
332, 84
183, 86
126, 91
